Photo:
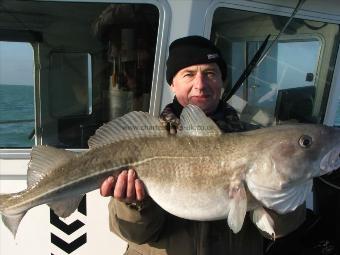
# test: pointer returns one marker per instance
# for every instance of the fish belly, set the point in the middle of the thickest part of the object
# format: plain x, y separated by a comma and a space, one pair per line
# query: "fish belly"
189, 187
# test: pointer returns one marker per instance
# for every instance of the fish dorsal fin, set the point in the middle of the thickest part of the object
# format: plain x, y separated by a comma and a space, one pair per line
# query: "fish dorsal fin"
131, 125
194, 122
45, 159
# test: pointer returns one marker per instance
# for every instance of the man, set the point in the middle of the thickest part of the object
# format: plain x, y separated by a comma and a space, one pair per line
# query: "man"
195, 72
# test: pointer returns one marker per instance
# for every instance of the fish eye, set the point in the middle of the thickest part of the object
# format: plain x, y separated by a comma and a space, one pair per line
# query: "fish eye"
305, 141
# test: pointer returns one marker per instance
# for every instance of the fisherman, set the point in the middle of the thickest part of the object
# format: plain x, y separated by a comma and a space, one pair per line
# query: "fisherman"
195, 72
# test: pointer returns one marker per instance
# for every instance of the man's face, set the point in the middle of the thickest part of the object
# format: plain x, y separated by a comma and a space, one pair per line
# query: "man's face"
198, 85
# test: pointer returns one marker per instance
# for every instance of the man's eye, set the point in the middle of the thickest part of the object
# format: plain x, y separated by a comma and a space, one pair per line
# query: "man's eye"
211, 74
188, 75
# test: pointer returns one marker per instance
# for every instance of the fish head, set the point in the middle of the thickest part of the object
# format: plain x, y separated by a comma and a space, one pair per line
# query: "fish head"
293, 154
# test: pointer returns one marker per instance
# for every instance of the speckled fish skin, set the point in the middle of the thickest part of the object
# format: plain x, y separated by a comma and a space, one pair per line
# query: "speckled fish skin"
160, 161
194, 177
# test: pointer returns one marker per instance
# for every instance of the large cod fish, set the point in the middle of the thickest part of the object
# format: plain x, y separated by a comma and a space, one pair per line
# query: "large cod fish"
198, 174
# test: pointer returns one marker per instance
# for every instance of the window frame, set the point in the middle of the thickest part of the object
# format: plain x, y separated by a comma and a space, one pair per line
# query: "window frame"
264, 8
158, 75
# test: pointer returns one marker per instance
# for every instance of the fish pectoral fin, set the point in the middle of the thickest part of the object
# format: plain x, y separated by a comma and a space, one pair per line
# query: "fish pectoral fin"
194, 122
66, 207
237, 207
12, 222
263, 221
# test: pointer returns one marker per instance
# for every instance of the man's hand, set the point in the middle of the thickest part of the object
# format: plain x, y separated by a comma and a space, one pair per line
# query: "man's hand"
126, 187
169, 120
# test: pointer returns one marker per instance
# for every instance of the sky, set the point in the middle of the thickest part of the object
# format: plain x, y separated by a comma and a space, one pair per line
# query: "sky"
16, 63
296, 59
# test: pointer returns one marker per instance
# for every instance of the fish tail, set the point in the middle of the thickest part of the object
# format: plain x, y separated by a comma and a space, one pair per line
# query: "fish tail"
11, 221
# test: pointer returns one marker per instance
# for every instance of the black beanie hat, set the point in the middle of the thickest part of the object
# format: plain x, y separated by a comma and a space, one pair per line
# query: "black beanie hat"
193, 50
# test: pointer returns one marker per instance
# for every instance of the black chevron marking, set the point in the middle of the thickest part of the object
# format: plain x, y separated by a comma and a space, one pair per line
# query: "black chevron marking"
68, 247
68, 229
82, 206
72, 227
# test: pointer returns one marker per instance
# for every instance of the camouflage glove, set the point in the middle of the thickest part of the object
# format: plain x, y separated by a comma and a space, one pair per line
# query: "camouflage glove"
169, 120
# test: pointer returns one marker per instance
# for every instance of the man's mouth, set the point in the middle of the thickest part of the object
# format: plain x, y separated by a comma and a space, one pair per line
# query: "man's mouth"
201, 97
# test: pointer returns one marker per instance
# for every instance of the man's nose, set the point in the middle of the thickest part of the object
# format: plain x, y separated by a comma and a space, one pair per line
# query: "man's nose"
199, 82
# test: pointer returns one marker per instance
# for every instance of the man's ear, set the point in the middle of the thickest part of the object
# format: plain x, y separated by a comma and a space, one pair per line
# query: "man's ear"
172, 88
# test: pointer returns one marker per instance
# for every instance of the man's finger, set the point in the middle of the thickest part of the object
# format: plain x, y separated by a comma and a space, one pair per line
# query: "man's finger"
120, 188
130, 189
140, 191
106, 189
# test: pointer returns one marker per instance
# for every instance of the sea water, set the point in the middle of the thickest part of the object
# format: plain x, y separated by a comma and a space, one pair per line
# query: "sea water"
16, 116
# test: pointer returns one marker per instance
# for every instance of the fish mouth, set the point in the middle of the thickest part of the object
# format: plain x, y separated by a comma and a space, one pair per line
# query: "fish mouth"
331, 161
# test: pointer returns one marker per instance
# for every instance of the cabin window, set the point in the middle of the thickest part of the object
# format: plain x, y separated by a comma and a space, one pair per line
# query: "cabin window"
16, 95
89, 68
292, 81
70, 84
